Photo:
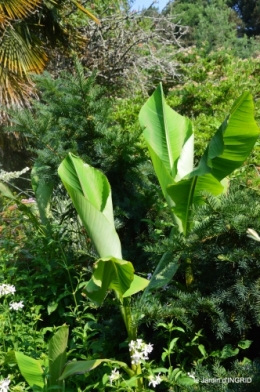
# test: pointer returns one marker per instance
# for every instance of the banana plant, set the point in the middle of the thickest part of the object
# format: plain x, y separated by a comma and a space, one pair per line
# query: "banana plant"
170, 141
90, 193
43, 374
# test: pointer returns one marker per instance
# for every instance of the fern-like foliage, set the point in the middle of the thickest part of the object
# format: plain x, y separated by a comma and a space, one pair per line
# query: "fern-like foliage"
70, 116
225, 295
75, 114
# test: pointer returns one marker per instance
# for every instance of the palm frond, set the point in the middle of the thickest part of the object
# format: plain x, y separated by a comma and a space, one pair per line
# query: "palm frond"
14, 91
19, 57
16, 9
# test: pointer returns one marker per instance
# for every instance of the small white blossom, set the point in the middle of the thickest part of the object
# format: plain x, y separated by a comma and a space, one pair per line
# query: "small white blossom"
149, 276
132, 345
251, 233
16, 305
7, 289
192, 375
114, 376
4, 385
139, 344
139, 351
155, 380
137, 357
148, 348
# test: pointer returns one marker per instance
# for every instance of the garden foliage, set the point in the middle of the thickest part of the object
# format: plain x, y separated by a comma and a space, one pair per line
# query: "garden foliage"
95, 247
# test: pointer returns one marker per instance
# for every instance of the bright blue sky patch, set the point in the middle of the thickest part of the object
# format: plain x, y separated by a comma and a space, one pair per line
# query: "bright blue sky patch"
140, 4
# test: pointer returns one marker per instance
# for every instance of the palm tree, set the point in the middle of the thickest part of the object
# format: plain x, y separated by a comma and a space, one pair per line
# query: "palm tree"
22, 37
20, 51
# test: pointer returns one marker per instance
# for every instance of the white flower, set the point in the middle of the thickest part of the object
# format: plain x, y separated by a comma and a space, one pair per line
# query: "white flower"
251, 233
192, 375
114, 376
7, 289
137, 357
4, 385
139, 351
16, 305
149, 276
132, 345
139, 343
148, 348
155, 380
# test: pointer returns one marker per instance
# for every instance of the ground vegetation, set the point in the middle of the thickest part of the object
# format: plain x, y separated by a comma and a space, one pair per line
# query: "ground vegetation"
94, 294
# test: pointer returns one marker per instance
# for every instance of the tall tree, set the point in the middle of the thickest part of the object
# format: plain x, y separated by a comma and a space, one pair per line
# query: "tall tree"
249, 12
212, 24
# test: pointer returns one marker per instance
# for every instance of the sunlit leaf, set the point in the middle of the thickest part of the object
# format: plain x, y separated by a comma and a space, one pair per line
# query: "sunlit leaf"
57, 355
91, 195
30, 369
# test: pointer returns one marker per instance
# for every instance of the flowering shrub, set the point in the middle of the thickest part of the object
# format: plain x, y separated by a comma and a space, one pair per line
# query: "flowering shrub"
6, 289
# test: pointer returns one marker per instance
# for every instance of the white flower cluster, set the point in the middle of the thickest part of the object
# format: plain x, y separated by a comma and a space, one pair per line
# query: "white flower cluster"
139, 351
155, 380
16, 305
7, 176
4, 385
114, 376
7, 289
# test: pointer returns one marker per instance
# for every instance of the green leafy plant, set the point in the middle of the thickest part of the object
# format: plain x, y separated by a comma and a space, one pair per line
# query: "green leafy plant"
45, 373
170, 140
169, 137
91, 195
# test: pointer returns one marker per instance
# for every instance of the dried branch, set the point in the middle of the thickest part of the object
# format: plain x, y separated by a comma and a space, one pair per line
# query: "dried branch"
129, 48
133, 47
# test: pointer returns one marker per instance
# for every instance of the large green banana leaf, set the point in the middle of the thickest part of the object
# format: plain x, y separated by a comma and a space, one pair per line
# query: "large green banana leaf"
188, 192
116, 274
233, 141
169, 138
81, 367
90, 192
57, 356
109, 273
91, 195
31, 369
